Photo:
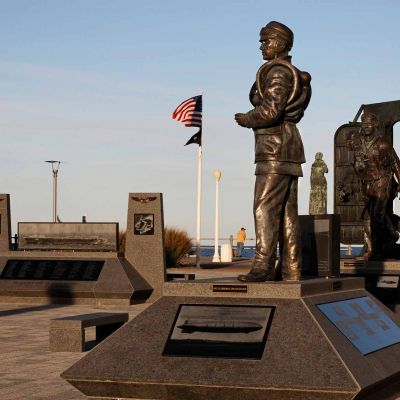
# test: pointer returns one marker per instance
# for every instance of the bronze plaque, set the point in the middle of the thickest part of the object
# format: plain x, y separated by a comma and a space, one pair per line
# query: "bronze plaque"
143, 224
230, 288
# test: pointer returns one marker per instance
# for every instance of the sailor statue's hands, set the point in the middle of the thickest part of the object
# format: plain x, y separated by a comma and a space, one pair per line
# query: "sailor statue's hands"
241, 119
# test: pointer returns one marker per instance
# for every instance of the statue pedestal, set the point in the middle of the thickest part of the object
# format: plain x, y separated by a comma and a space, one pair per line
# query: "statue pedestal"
317, 339
381, 278
100, 279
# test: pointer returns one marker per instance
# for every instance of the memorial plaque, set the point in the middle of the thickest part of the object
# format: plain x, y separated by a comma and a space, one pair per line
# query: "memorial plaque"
387, 282
219, 331
143, 224
66, 270
363, 323
229, 288
68, 236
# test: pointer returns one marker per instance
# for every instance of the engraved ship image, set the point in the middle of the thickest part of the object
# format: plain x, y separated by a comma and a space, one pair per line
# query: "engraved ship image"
64, 240
225, 326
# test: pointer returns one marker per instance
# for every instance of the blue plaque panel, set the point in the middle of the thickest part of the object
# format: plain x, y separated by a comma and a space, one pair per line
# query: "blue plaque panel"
363, 322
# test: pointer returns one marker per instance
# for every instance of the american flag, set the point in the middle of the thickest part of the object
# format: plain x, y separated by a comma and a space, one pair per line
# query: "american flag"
189, 112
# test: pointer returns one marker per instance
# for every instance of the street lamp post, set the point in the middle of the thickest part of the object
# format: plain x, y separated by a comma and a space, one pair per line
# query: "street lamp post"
217, 177
55, 165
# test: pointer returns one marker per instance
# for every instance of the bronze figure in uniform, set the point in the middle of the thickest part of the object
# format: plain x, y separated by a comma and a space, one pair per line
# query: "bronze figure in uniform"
280, 95
376, 163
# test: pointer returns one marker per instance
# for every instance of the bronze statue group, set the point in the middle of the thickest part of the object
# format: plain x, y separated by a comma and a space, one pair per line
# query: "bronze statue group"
280, 95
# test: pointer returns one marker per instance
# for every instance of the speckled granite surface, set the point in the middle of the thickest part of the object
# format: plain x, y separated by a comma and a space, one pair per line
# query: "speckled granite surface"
298, 361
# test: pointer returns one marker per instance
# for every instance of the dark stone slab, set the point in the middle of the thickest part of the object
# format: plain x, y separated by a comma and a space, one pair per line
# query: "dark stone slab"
67, 270
86, 320
320, 245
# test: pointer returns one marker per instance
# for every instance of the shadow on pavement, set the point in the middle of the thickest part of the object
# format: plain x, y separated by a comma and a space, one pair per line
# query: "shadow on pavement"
24, 310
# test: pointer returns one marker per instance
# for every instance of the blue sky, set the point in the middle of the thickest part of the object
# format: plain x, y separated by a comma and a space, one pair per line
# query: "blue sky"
94, 83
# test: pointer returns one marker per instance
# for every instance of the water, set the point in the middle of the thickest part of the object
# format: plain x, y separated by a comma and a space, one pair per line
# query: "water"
249, 251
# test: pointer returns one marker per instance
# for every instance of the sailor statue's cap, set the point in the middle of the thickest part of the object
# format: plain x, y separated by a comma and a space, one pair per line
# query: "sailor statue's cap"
276, 29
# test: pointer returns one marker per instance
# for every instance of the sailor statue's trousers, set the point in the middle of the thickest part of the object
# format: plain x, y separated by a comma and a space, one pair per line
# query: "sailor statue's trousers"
276, 219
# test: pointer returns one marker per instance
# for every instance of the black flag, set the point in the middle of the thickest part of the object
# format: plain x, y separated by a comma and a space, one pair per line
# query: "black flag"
196, 138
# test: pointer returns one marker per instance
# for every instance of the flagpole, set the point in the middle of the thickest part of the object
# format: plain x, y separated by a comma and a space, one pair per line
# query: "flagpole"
199, 182
198, 213
190, 113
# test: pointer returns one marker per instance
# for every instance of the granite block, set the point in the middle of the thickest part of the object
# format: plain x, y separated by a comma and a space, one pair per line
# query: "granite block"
5, 222
144, 249
288, 290
298, 361
368, 369
68, 333
67, 339
118, 282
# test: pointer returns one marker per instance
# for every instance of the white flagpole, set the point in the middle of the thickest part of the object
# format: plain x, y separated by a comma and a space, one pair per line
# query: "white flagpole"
198, 218
217, 177
198, 212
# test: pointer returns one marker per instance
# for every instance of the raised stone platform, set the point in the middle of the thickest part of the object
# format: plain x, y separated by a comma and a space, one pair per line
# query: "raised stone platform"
304, 355
272, 290
382, 278
43, 277
355, 266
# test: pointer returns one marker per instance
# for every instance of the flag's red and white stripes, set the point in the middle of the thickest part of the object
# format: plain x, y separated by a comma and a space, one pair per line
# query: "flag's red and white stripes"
189, 112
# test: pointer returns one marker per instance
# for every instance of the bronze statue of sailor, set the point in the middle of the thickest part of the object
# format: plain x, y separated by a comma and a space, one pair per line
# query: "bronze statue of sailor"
376, 164
280, 95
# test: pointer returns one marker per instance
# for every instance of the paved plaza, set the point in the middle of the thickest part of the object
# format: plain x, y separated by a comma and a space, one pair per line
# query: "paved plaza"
28, 370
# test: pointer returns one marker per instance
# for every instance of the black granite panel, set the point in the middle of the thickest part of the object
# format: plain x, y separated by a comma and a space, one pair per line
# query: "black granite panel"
219, 331
66, 270
320, 245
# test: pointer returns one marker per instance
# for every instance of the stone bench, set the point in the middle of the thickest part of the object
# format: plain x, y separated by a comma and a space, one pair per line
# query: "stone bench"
186, 277
68, 333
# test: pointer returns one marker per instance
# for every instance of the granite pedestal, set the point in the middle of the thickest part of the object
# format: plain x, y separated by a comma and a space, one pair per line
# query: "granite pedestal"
320, 240
144, 246
303, 355
93, 278
381, 278
5, 222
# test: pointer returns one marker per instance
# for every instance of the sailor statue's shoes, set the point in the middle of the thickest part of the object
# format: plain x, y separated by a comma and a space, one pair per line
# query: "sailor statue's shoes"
257, 275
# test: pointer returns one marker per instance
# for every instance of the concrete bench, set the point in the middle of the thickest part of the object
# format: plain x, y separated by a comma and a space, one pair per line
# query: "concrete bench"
68, 333
186, 277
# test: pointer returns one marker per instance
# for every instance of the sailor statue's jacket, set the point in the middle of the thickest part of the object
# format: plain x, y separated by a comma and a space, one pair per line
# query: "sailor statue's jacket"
280, 95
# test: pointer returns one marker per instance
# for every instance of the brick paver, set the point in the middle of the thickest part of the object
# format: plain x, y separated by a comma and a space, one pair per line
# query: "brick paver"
28, 370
